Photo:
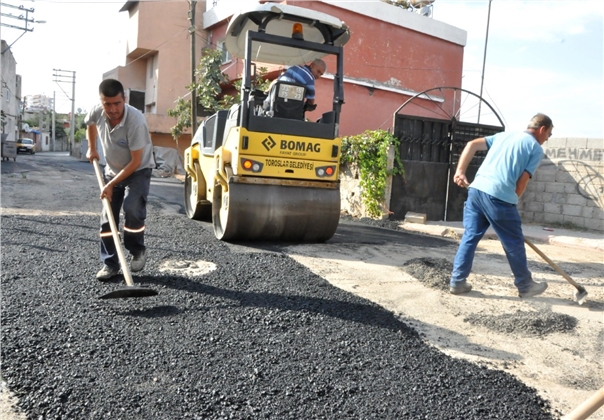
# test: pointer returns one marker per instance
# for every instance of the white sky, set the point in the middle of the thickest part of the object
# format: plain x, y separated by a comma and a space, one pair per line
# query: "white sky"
542, 55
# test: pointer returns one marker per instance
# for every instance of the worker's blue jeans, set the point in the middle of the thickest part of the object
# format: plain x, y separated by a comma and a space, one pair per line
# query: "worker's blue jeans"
132, 195
482, 210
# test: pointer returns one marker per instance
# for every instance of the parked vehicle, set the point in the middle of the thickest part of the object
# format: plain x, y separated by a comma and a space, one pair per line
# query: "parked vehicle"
26, 146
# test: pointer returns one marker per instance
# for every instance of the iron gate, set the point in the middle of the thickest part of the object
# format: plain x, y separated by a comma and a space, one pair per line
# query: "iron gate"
429, 150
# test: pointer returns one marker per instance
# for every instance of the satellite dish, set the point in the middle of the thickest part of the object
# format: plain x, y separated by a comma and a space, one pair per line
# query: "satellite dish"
26, 128
425, 11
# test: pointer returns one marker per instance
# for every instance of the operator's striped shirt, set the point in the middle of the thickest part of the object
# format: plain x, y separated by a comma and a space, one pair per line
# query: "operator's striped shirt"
303, 76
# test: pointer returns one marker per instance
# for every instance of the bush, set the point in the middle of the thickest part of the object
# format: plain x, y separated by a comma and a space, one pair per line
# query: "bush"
369, 151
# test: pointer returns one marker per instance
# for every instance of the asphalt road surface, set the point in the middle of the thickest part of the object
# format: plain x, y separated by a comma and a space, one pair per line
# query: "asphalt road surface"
238, 331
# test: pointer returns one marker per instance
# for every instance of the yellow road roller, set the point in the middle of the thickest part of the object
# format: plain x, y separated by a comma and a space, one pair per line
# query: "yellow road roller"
260, 170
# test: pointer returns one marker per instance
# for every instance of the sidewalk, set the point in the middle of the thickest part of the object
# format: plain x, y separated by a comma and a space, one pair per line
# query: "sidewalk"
535, 233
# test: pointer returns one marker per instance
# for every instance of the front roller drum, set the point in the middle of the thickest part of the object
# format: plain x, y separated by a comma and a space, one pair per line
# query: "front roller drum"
275, 213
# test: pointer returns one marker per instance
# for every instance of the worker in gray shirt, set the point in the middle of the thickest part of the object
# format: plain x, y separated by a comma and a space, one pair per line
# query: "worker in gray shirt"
124, 136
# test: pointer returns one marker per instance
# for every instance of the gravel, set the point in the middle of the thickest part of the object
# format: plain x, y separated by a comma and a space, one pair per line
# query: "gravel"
436, 273
432, 272
525, 322
260, 337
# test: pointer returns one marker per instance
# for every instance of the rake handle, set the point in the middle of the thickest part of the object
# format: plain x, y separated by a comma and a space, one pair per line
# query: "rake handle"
554, 265
114, 231
588, 407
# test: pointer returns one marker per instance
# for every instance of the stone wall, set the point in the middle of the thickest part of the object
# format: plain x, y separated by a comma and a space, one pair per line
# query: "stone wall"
568, 188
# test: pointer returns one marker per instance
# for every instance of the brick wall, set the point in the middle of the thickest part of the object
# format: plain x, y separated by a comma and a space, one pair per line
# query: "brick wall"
568, 188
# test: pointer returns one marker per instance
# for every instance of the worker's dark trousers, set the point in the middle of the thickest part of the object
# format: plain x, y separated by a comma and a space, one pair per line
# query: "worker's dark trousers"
132, 195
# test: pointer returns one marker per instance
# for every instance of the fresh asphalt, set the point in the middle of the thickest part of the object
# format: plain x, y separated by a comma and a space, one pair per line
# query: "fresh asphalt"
259, 337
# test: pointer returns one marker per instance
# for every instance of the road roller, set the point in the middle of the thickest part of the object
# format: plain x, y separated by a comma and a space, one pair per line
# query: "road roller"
261, 171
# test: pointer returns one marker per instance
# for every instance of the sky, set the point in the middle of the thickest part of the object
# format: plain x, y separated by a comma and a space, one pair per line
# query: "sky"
541, 56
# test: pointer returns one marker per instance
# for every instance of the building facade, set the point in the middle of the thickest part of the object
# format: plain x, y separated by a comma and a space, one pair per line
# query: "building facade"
38, 103
158, 62
10, 98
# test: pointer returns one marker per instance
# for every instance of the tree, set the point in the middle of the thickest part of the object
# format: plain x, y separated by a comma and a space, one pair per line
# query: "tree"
80, 127
60, 131
208, 91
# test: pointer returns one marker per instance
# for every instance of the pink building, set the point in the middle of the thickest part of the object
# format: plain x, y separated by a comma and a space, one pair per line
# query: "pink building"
158, 62
392, 55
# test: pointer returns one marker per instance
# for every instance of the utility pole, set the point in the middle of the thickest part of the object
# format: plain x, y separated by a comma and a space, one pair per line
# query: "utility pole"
23, 17
192, 30
68, 76
484, 59
53, 127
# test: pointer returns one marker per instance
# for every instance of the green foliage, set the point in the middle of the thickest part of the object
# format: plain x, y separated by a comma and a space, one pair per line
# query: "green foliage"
369, 151
31, 122
79, 127
208, 72
60, 131
182, 112
208, 90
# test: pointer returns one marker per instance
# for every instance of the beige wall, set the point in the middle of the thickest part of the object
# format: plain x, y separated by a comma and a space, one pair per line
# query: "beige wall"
166, 140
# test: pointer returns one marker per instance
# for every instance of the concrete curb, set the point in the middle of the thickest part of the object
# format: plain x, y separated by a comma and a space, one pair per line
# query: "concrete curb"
535, 233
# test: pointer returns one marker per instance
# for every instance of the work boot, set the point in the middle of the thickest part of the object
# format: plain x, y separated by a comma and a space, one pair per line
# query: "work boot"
533, 290
138, 261
459, 288
106, 273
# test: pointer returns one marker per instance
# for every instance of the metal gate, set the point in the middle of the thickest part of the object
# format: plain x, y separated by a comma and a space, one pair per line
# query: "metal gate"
429, 150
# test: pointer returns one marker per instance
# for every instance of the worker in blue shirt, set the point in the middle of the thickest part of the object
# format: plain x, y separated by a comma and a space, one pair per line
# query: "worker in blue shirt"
512, 159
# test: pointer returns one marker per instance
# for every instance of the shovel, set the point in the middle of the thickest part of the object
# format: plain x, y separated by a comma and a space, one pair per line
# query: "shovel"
581, 294
131, 290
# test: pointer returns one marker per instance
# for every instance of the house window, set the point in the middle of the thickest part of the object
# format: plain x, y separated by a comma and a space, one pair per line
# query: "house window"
151, 66
226, 56
137, 99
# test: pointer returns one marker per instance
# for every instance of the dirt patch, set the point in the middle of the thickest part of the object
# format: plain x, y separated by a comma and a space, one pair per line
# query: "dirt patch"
436, 273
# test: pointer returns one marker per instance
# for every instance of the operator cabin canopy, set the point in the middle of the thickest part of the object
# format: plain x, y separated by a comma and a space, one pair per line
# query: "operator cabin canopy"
278, 19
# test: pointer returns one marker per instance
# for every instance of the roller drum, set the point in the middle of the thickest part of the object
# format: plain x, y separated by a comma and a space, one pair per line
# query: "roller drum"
275, 212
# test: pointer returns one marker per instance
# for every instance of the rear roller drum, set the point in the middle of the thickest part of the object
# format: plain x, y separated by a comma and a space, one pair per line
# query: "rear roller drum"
195, 207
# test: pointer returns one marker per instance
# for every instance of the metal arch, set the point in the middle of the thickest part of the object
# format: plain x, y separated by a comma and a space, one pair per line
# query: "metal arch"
424, 94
